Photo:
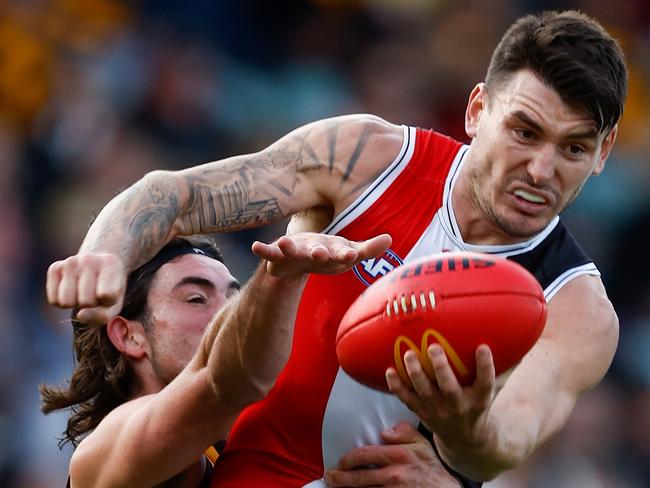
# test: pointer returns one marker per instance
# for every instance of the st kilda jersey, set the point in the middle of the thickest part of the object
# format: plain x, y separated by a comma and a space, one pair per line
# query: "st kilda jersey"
316, 413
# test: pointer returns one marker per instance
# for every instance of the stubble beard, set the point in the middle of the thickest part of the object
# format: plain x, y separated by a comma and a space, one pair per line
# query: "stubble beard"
163, 376
513, 228
516, 229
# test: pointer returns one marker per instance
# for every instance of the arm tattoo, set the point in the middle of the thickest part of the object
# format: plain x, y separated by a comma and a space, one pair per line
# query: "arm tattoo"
151, 225
312, 154
233, 205
251, 191
361, 143
137, 223
237, 193
331, 144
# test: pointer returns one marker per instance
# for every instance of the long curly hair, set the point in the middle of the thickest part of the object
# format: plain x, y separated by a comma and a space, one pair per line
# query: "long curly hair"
103, 378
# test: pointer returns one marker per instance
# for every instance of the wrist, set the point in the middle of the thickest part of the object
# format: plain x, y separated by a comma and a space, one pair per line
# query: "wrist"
283, 276
475, 454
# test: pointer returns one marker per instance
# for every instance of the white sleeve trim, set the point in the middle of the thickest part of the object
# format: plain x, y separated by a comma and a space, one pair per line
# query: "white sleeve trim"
586, 269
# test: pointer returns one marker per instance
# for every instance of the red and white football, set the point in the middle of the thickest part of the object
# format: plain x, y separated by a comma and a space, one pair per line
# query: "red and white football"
460, 300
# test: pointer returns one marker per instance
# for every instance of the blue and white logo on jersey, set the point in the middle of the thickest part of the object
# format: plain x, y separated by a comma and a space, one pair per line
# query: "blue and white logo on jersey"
370, 270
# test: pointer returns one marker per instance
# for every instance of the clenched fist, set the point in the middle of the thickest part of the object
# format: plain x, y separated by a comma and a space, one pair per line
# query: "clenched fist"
92, 283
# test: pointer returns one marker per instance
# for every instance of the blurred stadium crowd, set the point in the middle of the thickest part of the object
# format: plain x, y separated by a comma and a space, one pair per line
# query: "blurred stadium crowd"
95, 93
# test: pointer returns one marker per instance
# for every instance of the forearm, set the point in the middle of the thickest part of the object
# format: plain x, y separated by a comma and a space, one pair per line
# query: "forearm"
514, 428
231, 194
228, 195
246, 350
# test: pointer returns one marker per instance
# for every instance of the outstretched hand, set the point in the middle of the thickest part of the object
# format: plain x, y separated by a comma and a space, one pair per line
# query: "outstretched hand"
309, 252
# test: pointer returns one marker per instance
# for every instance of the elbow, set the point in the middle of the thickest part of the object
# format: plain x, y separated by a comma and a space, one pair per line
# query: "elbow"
158, 179
168, 199
254, 392
234, 393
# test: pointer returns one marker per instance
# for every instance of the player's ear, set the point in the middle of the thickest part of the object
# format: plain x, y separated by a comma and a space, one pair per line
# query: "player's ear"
475, 105
605, 149
128, 337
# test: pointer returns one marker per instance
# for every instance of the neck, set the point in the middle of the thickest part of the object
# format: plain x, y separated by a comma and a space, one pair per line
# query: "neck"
147, 381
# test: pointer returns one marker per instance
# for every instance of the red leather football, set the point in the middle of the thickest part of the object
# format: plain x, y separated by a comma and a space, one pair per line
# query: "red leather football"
460, 300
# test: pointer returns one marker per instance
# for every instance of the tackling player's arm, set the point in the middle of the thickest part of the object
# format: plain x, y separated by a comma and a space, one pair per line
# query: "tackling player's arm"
153, 438
480, 434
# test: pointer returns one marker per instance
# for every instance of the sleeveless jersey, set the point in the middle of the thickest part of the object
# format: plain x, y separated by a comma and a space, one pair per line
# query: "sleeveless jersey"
315, 413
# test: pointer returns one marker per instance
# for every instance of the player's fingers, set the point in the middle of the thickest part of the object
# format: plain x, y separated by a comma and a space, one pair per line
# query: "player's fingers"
87, 288
374, 247
421, 382
97, 315
290, 247
270, 252
398, 388
92, 315
485, 377
67, 290
342, 250
402, 433
52, 282
111, 282
319, 253
376, 455
368, 477
448, 385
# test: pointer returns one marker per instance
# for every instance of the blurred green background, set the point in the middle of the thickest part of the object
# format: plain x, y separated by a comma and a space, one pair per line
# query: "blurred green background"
95, 93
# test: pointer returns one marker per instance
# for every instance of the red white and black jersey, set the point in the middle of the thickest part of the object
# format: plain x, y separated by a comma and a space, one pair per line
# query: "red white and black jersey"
316, 413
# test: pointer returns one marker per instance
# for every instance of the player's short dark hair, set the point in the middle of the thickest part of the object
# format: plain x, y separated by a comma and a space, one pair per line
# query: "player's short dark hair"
573, 54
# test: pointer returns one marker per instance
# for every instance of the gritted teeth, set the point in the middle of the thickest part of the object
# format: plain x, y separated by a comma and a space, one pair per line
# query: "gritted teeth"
529, 197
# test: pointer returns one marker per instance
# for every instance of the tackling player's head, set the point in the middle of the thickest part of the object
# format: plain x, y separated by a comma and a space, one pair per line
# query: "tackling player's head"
167, 306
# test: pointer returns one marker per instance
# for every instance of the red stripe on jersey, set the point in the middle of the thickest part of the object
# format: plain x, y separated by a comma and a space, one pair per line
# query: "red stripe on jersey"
277, 442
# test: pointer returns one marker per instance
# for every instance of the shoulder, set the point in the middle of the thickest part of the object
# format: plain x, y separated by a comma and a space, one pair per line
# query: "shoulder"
583, 322
340, 156
95, 450
585, 298
370, 122
355, 129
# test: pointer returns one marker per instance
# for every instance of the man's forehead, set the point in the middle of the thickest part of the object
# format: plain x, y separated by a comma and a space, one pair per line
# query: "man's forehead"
526, 96
170, 273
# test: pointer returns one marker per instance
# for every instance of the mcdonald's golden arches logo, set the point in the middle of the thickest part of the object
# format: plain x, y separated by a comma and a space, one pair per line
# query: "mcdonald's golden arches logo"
422, 353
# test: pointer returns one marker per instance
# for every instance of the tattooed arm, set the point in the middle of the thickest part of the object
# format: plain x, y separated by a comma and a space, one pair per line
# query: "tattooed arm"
323, 164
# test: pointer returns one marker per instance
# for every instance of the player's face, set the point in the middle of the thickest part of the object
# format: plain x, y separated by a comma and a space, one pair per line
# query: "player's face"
531, 154
184, 296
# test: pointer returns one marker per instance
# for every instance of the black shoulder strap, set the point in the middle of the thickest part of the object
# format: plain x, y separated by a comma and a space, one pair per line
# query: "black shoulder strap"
555, 255
463, 480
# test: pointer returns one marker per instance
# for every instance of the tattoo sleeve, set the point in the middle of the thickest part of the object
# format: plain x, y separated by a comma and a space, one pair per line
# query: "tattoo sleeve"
235, 193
